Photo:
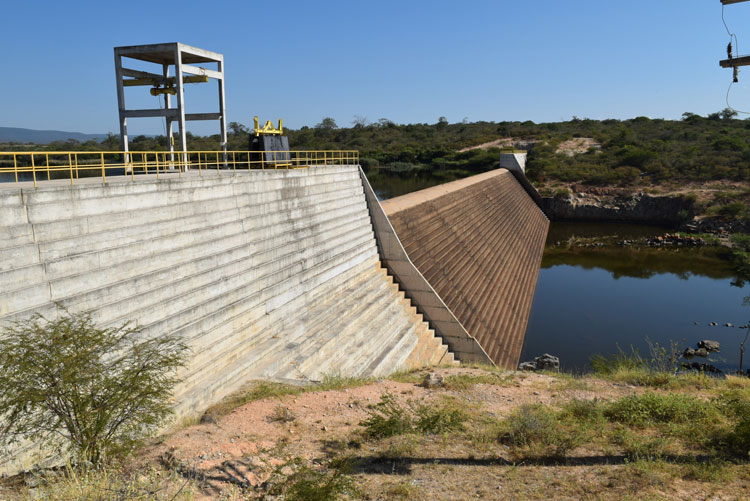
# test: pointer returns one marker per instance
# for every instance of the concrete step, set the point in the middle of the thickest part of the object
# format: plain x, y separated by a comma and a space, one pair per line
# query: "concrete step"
323, 320
178, 222
251, 316
188, 293
326, 315
130, 269
89, 202
13, 236
169, 208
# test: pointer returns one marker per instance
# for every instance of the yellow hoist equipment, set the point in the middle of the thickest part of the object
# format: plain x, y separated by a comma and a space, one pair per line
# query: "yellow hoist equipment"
163, 85
268, 128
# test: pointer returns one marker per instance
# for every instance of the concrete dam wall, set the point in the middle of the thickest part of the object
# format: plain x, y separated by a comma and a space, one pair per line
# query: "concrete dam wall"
266, 274
478, 242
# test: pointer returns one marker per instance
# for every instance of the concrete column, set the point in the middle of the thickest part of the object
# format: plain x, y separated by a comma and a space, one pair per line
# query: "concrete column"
121, 104
180, 102
222, 109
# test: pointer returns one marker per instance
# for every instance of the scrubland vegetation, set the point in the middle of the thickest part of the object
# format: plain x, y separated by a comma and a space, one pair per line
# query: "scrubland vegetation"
629, 430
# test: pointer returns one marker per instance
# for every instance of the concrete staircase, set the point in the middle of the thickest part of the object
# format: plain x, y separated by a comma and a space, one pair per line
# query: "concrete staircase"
269, 274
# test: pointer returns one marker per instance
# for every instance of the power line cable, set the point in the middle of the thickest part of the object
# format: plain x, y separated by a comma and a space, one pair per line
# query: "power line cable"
730, 54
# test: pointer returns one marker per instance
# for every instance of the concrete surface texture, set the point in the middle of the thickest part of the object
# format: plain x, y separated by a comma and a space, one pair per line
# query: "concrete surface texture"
479, 242
393, 255
266, 274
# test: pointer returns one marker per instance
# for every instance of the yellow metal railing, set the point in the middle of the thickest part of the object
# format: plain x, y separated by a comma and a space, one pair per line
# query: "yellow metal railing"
18, 166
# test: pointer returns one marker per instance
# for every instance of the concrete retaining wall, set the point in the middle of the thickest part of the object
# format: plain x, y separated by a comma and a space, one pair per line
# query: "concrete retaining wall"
266, 274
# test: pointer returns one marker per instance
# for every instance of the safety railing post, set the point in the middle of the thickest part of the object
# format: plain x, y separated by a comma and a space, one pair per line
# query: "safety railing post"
33, 169
104, 171
47, 157
70, 169
15, 166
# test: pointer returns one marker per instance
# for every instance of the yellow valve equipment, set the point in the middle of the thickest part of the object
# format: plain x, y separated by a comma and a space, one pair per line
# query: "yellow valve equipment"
268, 128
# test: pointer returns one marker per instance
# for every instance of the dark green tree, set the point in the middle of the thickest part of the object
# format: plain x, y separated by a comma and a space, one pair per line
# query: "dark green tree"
75, 387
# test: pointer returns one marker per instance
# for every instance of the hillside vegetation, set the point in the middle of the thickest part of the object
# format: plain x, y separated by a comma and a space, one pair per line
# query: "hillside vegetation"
640, 150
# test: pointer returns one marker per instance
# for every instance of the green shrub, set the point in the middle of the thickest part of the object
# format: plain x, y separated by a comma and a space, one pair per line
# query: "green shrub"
742, 241
448, 416
653, 409
91, 391
732, 209
540, 429
638, 447
387, 418
740, 437
582, 410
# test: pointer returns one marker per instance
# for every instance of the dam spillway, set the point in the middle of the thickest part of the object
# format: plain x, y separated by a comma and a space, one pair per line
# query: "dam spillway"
478, 242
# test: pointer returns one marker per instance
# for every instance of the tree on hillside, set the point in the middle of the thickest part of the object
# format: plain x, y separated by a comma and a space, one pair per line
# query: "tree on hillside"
237, 128
327, 123
359, 122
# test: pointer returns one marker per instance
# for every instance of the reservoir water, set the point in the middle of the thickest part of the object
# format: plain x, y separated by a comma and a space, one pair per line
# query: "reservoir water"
593, 300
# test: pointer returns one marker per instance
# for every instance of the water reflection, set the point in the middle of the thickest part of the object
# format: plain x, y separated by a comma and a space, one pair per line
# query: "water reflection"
592, 300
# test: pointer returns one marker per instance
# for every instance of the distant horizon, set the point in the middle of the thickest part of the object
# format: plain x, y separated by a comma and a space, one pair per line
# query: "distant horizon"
117, 133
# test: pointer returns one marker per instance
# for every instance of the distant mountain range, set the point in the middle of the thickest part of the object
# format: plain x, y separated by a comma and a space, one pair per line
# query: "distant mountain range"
18, 135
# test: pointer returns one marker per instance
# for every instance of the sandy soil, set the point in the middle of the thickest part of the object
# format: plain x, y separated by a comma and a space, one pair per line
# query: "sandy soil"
242, 448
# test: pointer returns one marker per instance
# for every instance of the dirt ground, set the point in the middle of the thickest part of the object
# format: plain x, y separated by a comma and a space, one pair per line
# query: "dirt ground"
240, 451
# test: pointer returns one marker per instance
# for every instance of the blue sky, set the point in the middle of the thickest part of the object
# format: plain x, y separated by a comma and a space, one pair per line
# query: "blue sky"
409, 61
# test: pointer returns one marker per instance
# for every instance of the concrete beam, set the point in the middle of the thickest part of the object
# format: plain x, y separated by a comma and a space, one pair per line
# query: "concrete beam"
195, 70
150, 113
202, 116
140, 74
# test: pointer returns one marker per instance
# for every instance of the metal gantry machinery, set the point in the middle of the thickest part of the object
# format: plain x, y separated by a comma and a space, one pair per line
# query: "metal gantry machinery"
733, 61
177, 61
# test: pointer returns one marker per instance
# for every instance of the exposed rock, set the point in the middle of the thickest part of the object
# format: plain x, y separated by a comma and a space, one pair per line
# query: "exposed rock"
709, 346
635, 208
728, 325
713, 324
527, 366
701, 352
688, 353
547, 362
432, 380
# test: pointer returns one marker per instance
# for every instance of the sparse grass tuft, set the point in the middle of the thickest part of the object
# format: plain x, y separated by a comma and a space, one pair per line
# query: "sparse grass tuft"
400, 490
466, 381
539, 431
449, 415
257, 390
282, 414
338, 382
109, 482
308, 484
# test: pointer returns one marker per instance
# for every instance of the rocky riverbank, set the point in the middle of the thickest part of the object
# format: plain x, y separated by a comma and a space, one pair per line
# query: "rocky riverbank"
612, 206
